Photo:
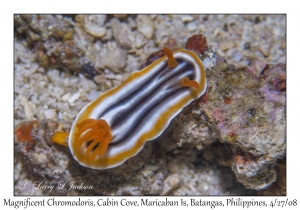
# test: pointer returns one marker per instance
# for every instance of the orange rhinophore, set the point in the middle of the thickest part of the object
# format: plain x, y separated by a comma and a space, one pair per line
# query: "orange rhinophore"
171, 60
186, 82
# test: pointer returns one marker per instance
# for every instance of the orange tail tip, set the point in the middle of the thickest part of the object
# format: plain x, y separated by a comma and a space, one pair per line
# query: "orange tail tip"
97, 133
60, 138
172, 63
186, 82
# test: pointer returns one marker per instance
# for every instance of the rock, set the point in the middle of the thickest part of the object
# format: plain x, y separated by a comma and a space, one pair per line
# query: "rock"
50, 113
113, 55
192, 26
93, 95
132, 64
29, 108
227, 45
93, 24
131, 23
171, 183
106, 56
89, 71
108, 35
256, 67
74, 97
120, 34
192, 127
197, 43
187, 18
249, 123
259, 179
145, 25
278, 188
140, 40
171, 43
66, 97
100, 78
265, 48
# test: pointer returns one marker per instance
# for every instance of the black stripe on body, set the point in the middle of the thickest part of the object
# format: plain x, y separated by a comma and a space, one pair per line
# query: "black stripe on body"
121, 117
166, 75
141, 119
131, 95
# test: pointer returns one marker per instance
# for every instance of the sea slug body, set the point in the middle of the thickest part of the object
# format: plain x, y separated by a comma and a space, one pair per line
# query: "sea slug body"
115, 126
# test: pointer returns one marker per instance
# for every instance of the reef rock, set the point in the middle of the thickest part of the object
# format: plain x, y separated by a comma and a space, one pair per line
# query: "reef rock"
249, 113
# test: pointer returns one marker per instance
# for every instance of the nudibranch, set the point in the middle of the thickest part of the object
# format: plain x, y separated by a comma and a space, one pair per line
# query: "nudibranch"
115, 126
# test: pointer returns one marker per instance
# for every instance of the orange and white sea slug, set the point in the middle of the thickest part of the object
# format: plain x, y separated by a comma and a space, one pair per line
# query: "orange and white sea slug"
115, 126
